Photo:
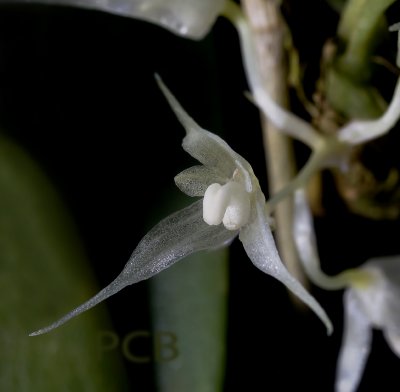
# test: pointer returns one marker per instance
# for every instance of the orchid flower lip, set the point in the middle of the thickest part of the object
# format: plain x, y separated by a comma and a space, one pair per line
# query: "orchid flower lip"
229, 204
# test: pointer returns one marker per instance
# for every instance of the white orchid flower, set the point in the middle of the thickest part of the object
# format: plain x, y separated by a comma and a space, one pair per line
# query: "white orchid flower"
371, 299
192, 19
232, 204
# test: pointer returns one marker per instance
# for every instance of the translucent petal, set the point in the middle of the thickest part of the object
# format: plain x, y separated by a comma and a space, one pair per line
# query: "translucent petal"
175, 237
195, 180
206, 147
260, 247
183, 17
393, 340
356, 345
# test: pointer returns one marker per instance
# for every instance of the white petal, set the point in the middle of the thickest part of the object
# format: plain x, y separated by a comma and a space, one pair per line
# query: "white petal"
393, 339
206, 147
260, 247
361, 131
175, 237
355, 346
195, 180
183, 17
389, 267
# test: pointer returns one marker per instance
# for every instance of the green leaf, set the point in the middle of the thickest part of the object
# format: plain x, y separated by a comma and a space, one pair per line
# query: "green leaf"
189, 308
337, 5
43, 273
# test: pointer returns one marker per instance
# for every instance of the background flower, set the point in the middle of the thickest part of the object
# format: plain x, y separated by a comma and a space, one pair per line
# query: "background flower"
187, 18
373, 305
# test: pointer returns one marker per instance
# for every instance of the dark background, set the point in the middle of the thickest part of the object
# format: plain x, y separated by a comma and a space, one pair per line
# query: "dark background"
77, 90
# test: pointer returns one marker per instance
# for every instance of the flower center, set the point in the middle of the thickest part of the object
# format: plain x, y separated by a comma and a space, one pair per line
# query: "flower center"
229, 204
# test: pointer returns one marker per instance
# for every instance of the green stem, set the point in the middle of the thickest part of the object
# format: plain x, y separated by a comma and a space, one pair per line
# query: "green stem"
360, 28
354, 277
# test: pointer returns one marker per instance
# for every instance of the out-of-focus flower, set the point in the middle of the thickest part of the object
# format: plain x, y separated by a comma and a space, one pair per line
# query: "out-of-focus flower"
371, 299
232, 204
183, 17
374, 305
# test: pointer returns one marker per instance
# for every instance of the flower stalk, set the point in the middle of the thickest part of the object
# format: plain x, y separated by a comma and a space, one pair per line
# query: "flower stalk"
269, 33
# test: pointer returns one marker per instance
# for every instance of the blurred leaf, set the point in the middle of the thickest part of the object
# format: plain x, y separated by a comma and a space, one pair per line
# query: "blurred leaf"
189, 307
337, 5
43, 273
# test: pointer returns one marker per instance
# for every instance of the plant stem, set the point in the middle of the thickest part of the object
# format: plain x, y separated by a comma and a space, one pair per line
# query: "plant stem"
283, 119
361, 25
268, 32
